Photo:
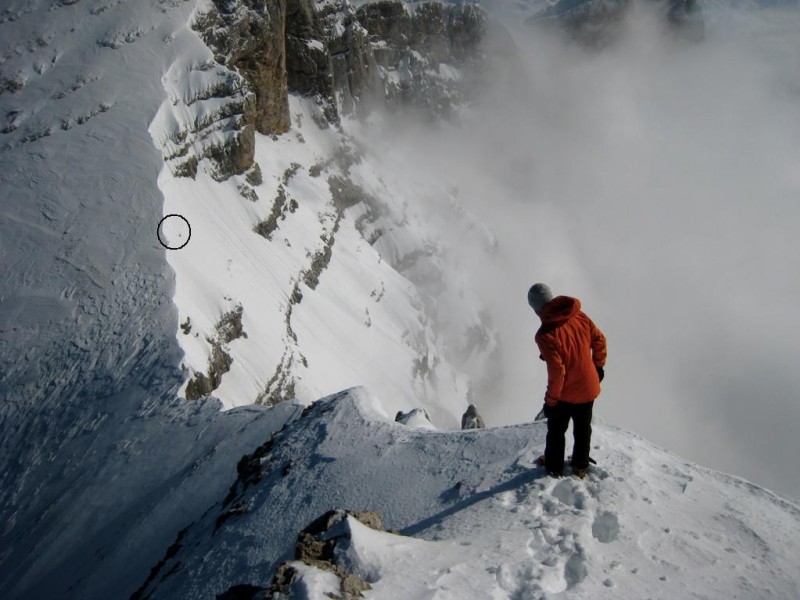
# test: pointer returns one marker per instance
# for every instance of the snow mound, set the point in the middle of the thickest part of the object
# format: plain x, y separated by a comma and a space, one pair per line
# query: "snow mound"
476, 518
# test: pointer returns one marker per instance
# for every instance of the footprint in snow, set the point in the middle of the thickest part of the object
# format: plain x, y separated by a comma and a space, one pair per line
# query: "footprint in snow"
605, 527
508, 500
568, 493
575, 569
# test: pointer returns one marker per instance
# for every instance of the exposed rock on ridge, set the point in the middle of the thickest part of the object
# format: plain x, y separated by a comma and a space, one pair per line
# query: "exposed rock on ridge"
229, 328
316, 547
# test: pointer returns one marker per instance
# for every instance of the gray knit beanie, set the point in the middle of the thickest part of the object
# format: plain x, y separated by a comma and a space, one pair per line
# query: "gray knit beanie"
538, 296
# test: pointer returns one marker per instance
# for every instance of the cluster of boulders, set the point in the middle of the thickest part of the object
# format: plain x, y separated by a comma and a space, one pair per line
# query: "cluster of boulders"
418, 417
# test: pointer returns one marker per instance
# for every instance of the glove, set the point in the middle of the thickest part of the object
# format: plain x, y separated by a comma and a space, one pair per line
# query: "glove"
548, 410
600, 373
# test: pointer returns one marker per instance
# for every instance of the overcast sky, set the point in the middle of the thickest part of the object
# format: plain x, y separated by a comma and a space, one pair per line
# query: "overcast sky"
660, 184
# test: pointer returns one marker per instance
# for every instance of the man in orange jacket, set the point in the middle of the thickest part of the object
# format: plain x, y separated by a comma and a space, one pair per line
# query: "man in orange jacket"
575, 352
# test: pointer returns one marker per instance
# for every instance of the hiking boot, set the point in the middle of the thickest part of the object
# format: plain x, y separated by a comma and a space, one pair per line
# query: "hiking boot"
580, 473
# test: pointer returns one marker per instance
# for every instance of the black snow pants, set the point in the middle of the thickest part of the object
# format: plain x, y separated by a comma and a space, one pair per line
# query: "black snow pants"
557, 423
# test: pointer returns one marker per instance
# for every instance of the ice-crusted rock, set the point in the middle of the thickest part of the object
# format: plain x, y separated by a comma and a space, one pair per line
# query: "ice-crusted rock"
247, 36
382, 54
247, 41
230, 86
309, 64
416, 417
317, 546
424, 55
471, 419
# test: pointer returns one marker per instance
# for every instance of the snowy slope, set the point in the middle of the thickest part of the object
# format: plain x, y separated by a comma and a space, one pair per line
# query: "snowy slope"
91, 439
358, 295
476, 519
101, 462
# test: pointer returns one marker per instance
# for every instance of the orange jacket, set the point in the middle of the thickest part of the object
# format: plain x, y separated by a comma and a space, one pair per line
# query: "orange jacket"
573, 347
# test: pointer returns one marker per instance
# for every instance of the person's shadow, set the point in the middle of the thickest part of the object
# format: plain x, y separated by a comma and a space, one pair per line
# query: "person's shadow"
521, 479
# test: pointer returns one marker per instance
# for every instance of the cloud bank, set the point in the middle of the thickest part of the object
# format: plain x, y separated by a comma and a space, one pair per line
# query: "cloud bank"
659, 182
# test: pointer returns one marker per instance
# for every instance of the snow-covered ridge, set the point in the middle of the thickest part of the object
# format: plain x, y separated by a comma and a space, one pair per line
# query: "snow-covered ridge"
476, 519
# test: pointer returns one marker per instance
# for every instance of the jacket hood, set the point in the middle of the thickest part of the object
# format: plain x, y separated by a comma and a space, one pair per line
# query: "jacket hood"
559, 310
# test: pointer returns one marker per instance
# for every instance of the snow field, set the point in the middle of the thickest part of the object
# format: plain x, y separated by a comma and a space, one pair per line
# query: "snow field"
648, 525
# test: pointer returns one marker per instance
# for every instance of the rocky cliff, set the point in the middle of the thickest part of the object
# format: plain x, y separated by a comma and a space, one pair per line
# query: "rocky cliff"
350, 60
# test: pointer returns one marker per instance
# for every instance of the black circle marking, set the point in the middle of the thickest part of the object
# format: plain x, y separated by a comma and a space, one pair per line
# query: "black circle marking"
164, 243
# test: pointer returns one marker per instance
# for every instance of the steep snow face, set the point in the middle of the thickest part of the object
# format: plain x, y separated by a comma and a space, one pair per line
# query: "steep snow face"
317, 299
316, 270
85, 307
99, 462
477, 519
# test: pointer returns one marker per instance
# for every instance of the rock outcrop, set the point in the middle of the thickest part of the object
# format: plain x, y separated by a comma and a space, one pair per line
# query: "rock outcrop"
309, 68
416, 417
247, 39
316, 546
247, 36
382, 54
228, 328
386, 55
471, 419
